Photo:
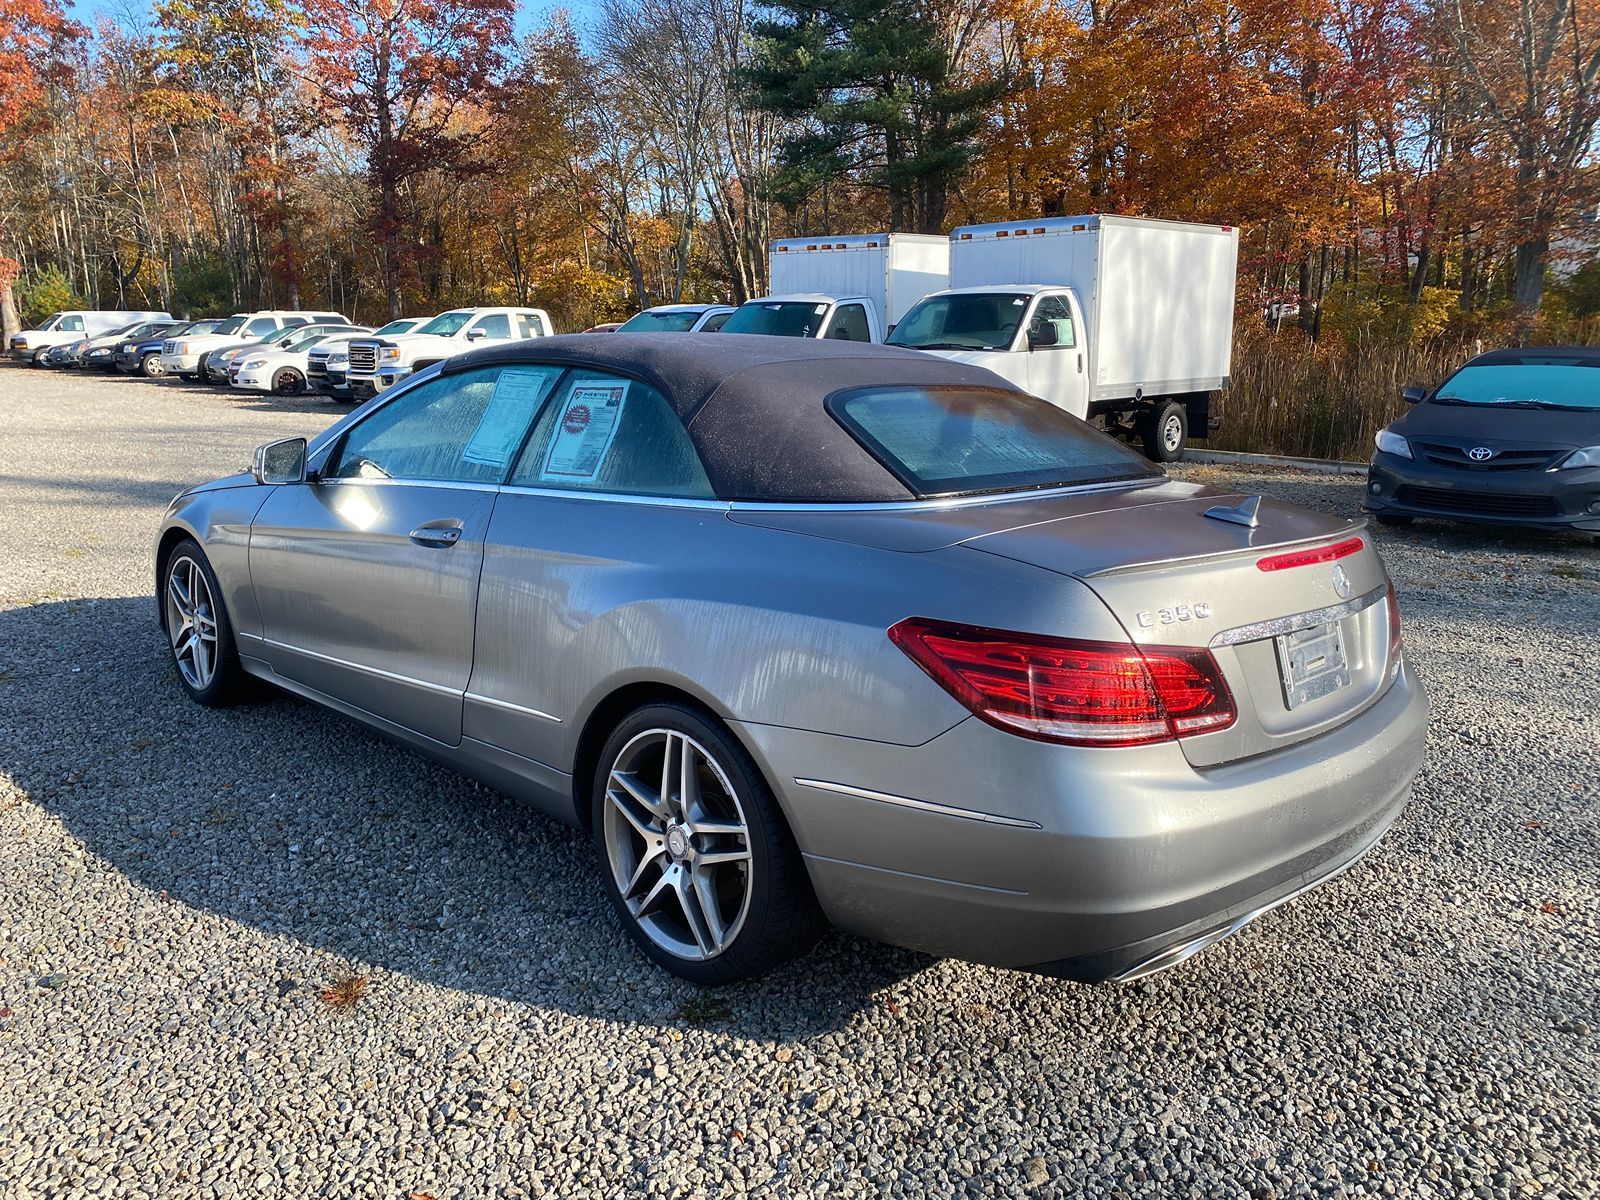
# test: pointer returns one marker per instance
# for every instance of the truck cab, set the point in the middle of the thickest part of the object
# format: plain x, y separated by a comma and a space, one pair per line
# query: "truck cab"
809, 315
378, 363
1125, 321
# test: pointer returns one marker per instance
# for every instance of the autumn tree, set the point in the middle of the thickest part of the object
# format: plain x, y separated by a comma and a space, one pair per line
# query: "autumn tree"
33, 37
397, 75
1534, 66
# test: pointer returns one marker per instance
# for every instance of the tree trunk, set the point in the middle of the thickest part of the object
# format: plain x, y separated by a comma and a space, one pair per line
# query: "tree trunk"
1531, 256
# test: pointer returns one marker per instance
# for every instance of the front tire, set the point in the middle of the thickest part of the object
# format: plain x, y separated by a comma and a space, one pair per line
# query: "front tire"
694, 852
288, 382
199, 633
1165, 431
150, 366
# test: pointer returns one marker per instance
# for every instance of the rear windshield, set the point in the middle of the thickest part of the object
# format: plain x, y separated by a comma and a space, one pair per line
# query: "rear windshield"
659, 322
953, 441
1532, 383
784, 318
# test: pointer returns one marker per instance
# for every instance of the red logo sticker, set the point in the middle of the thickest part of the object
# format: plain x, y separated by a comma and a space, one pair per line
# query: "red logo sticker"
577, 419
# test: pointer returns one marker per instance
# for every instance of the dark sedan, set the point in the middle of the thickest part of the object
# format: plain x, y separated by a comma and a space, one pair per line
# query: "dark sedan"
1512, 438
144, 356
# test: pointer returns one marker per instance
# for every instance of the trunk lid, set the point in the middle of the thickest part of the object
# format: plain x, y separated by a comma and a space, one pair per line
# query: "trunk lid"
1173, 576
1304, 647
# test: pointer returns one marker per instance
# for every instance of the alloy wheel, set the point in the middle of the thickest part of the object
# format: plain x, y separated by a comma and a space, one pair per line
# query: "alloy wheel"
191, 622
287, 382
678, 844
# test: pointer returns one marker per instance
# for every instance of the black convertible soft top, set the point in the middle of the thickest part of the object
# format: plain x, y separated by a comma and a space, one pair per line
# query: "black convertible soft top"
753, 405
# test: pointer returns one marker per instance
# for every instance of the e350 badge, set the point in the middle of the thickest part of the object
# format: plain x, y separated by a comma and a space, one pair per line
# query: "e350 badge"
1178, 613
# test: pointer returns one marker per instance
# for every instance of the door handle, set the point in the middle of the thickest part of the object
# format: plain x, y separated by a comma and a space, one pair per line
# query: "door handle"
442, 536
1080, 362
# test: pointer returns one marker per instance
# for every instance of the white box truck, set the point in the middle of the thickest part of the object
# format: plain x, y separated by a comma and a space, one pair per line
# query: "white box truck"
1125, 320
852, 289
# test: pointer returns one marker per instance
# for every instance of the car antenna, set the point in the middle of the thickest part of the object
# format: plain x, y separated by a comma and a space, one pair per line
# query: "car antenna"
1244, 513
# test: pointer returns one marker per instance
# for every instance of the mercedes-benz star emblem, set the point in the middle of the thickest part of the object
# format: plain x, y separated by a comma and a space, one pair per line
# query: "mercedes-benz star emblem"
1480, 454
1341, 582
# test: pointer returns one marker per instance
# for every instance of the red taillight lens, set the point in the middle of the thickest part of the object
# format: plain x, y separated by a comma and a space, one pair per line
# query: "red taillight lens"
1064, 690
1394, 624
1305, 558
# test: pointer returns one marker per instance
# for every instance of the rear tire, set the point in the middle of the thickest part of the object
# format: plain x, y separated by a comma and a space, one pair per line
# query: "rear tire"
656, 829
1165, 431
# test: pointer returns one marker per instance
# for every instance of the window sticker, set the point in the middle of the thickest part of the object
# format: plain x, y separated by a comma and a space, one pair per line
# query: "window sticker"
584, 432
516, 398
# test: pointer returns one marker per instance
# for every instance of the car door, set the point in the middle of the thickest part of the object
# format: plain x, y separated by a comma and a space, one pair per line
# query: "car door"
1056, 367
366, 576
608, 478
849, 324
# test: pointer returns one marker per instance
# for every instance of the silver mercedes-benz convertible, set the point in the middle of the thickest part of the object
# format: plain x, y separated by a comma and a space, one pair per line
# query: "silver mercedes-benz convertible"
808, 632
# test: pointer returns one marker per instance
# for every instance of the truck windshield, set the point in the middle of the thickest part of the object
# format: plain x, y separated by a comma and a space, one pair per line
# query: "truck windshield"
404, 325
964, 321
231, 325
446, 324
49, 322
660, 322
782, 318
200, 327
955, 441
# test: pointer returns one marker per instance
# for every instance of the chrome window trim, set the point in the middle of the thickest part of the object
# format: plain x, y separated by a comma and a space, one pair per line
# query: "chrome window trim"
1260, 630
945, 810
367, 481
510, 707
438, 688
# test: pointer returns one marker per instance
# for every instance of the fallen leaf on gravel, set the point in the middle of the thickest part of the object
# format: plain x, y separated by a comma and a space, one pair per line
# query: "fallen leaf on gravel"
1533, 824
783, 1054
4, 1013
737, 1135
345, 992
1550, 908
419, 1196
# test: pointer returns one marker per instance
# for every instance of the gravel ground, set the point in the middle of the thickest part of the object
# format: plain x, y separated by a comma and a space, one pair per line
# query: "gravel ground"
178, 887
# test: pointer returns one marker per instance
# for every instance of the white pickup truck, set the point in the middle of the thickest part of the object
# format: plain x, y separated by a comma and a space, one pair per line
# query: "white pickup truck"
851, 289
379, 363
184, 356
1125, 320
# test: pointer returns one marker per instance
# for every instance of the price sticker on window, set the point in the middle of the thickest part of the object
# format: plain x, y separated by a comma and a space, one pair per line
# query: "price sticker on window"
585, 429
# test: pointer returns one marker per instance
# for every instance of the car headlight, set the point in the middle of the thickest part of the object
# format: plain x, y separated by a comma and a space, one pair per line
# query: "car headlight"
253, 363
337, 360
1589, 456
1392, 443
389, 353
180, 348
100, 350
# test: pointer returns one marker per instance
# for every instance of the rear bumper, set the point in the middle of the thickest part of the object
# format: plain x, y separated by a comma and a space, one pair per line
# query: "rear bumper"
1100, 859
1532, 499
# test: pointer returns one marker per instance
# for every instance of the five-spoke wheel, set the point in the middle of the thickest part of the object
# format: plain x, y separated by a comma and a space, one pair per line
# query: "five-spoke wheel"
697, 857
198, 629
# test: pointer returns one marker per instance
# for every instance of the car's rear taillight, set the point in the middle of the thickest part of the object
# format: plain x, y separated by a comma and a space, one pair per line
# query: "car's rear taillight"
1394, 626
1064, 690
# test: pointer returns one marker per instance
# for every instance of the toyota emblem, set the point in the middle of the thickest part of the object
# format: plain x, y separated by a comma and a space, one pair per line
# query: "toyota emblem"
1480, 454
1341, 582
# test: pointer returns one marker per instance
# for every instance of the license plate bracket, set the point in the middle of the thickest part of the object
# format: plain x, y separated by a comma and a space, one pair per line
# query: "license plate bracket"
1312, 663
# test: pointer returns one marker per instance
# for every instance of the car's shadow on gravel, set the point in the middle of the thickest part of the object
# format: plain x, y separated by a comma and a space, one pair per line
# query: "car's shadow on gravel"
297, 822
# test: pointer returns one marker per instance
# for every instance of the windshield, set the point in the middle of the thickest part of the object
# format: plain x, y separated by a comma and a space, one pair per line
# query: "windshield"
446, 324
787, 318
200, 327
1534, 382
279, 337
660, 322
406, 325
943, 441
981, 321
231, 325
49, 322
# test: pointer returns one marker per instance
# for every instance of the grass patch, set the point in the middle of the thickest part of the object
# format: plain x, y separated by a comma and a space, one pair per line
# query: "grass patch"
344, 993
703, 1010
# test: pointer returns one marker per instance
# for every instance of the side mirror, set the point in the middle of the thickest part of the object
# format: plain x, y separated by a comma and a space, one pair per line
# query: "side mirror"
1413, 395
474, 334
280, 462
1042, 334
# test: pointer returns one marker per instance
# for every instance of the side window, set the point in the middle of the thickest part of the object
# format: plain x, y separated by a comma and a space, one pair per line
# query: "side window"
260, 327
1054, 310
716, 322
604, 433
456, 428
850, 324
529, 326
71, 325
495, 325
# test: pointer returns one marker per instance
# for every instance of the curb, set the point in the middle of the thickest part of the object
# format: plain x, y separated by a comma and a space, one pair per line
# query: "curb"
1233, 458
